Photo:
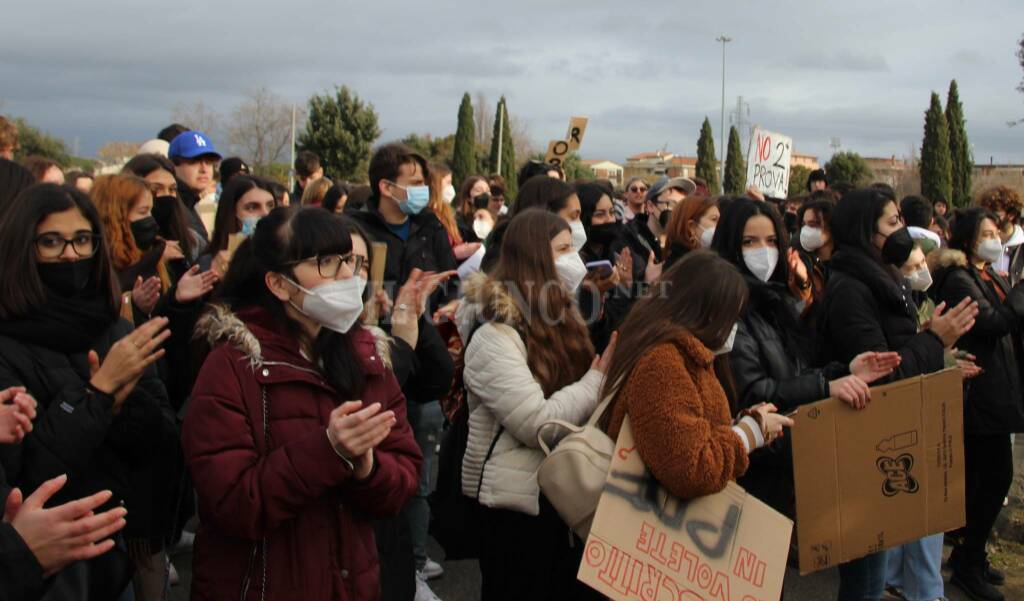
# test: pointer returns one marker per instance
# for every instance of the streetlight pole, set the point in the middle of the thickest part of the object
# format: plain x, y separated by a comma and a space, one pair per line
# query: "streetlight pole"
721, 126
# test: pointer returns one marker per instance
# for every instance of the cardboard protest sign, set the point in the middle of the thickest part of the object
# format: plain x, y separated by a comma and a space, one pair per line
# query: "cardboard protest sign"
380, 257
875, 479
557, 151
577, 127
768, 163
647, 545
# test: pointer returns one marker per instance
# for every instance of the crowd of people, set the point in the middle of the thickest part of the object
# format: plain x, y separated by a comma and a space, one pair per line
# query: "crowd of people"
279, 385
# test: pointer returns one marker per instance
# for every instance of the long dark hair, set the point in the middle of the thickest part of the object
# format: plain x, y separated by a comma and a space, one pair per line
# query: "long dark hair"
703, 295
855, 223
24, 290
728, 241
286, 235
542, 192
225, 222
965, 227
558, 353
173, 217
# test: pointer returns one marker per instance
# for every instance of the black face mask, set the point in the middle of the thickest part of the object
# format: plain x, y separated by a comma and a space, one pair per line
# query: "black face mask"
145, 232
897, 247
790, 221
66, 278
606, 233
664, 217
163, 211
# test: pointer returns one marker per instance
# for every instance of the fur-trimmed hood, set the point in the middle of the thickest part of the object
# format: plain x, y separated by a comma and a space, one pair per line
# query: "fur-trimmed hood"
219, 324
485, 299
946, 257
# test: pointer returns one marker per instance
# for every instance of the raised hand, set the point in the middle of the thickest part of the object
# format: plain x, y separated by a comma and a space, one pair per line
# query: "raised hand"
126, 361
172, 251
950, 326
873, 366
194, 285
355, 431
603, 361
146, 293
70, 532
17, 410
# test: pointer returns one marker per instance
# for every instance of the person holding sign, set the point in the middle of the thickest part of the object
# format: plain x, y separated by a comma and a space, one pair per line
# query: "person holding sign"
868, 308
662, 375
103, 417
528, 360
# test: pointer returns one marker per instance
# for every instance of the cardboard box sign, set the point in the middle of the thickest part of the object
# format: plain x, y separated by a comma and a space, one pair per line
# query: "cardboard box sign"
647, 545
577, 127
871, 480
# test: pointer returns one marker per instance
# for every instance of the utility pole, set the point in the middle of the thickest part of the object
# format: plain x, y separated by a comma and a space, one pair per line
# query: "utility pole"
291, 165
741, 118
721, 126
501, 132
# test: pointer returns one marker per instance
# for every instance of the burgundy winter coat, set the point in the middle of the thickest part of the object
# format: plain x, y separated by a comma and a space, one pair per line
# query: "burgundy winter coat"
288, 516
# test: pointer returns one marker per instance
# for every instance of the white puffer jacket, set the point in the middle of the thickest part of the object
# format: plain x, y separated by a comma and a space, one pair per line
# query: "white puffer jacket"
502, 391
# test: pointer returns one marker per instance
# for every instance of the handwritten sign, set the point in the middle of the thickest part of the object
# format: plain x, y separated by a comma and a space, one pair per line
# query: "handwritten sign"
768, 163
380, 257
559, 149
646, 545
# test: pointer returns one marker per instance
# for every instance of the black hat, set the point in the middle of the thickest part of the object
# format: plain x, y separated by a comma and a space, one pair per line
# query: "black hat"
231, 167
818, 175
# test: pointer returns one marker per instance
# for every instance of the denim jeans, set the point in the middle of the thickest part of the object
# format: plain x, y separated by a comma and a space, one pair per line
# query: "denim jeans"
426, 420
916, 568
862, 579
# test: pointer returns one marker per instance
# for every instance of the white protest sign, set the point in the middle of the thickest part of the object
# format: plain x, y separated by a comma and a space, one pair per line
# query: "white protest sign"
646, 545
768, 163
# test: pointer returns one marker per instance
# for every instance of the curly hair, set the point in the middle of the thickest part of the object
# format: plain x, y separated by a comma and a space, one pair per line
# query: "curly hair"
1001, 198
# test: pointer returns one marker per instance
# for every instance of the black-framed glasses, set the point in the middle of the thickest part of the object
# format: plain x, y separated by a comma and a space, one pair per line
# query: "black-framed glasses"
328, 266
51, 246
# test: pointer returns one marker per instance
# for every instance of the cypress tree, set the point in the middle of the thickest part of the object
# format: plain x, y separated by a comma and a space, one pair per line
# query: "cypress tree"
959, 148
936, 166
508, 150
706, 158
735, 167
464, 153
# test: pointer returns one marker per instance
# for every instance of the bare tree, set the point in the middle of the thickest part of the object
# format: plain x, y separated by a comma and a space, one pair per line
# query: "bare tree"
521, 138
260, 128
199, 117
116, 152
483, 117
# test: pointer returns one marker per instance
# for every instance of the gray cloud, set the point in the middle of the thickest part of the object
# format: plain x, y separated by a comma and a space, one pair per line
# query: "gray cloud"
841, 61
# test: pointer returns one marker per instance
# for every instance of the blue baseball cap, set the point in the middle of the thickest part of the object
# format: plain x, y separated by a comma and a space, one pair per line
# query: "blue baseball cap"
190, 145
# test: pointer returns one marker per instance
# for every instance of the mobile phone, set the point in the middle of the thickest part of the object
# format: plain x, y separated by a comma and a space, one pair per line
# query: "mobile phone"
601, 269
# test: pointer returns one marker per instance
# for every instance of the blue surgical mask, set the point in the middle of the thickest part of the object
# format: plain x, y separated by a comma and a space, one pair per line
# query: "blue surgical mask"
416, 199
248, 226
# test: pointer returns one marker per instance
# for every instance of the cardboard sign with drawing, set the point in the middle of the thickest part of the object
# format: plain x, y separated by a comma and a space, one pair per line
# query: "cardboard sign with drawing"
871, 480
647, 545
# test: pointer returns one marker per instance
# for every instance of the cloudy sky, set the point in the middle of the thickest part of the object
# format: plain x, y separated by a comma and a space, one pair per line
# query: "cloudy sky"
646, 73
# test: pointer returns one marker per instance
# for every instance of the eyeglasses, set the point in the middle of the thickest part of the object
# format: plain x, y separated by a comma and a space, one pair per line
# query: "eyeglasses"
329, 265
51, 246
638, 189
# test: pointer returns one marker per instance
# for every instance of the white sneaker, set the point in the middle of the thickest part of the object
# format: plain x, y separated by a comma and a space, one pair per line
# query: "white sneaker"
423, 592
432, 570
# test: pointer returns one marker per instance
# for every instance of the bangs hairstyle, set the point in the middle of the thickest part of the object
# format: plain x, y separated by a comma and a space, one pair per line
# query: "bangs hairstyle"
703, 295
966, 226
286, 235
25, 290
590, 196
558, 347
225, 222
728, 241
855, 221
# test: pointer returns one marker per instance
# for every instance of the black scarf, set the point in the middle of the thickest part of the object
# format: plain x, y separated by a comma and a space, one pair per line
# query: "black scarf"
67, 324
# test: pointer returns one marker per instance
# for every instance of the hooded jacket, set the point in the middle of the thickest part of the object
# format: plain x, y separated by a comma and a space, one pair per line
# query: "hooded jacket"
282, 516
502, 392
992, 401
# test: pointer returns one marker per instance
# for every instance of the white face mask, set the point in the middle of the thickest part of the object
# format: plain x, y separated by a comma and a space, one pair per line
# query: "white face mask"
706, 237
579, 235
482, 228
762, 261
727, 347
334, 305
920, 280
571, 270
448, 193
990, 250
811, 238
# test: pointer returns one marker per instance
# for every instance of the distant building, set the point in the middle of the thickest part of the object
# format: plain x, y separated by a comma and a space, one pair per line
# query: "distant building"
607, 170
901, 174
987, 176
650, 166
804, 160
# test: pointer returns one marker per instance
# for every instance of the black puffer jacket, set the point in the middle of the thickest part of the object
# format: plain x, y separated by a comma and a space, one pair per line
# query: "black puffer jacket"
992, 401
769, 364
427, 248
76, 433
866, 309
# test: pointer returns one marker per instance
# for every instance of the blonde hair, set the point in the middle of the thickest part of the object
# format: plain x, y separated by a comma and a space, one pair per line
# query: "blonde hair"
316, 191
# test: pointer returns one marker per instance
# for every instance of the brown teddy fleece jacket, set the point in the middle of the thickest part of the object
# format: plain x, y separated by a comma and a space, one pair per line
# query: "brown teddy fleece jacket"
681, 420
